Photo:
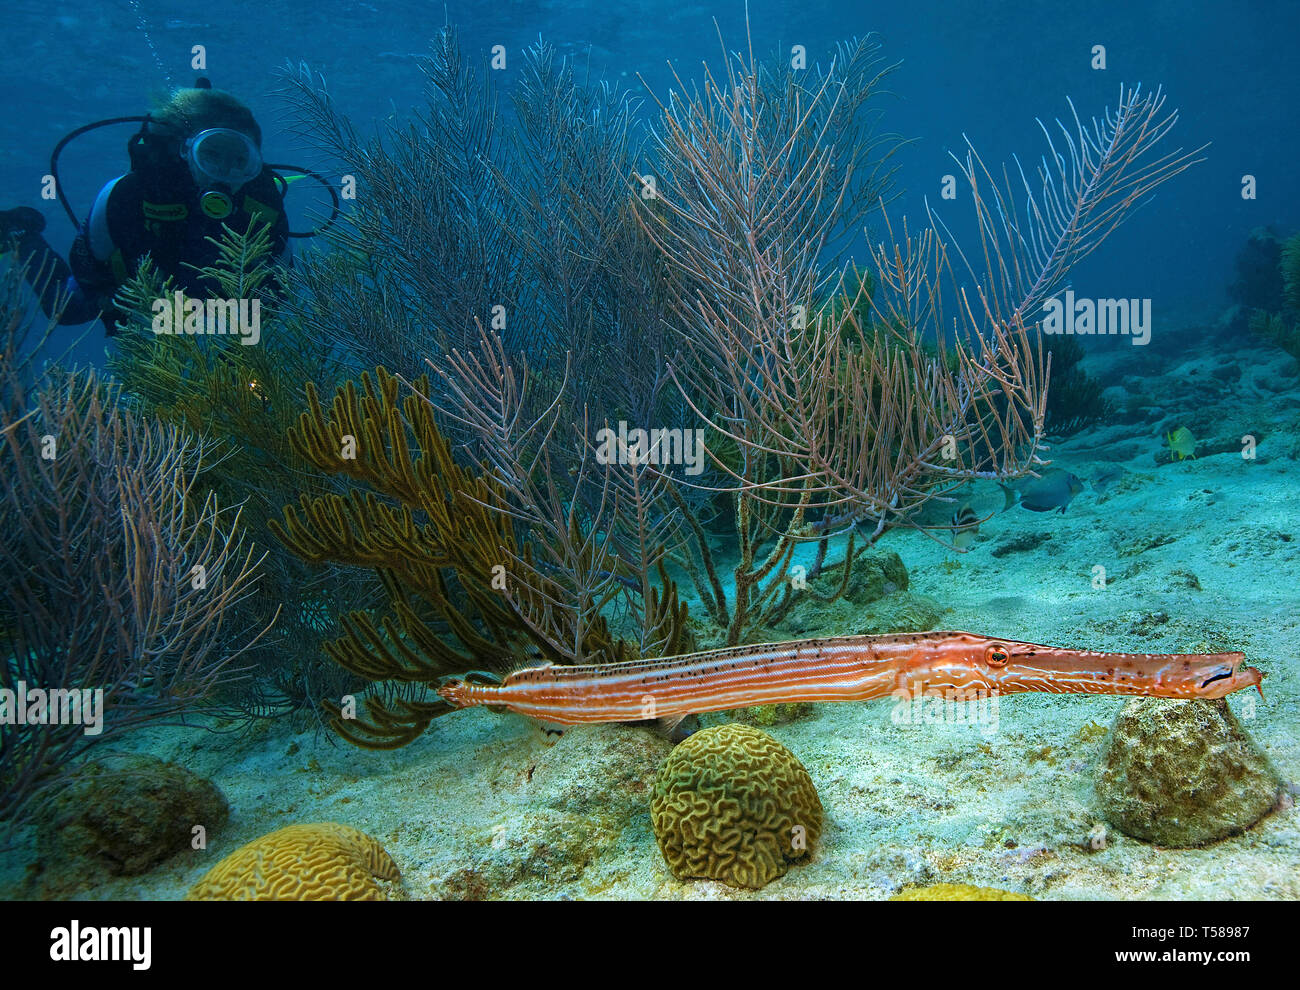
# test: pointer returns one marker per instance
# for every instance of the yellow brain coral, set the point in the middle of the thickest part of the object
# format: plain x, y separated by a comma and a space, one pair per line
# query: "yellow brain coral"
958, 892
732, 804
325, 861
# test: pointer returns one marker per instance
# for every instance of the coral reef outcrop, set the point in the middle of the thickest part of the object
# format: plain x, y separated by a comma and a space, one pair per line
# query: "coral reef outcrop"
732, 804
324, 861
126, 813
1183, 773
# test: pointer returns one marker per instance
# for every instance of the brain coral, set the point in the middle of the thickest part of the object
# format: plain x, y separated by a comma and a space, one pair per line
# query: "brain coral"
732, 804
958, 892
1183, 773
321, 862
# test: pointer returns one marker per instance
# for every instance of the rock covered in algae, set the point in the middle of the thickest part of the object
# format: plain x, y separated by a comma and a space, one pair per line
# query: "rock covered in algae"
904, 612
780, 713
579, 804
958, 892
878, 577
732, 804
875, 575
1183, 773
128, 812
606, 769
324, 861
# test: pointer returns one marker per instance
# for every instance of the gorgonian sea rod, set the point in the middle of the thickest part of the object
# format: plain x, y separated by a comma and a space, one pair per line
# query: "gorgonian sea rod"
846, 668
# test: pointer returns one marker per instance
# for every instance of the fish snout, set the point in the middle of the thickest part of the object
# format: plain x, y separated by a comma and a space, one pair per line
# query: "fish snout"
1225, 678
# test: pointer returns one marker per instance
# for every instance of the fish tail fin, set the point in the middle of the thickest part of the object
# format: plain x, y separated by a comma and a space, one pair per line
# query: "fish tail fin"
1009, 494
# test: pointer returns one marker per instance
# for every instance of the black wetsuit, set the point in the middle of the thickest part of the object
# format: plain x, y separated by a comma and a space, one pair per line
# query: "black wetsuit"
154, 213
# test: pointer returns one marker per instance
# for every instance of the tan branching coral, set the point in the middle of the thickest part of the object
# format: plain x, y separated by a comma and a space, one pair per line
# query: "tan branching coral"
244, 399
466, 592
842, 420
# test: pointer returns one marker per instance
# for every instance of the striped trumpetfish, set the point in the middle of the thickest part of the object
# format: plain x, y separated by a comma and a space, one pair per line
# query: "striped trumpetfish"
846, 668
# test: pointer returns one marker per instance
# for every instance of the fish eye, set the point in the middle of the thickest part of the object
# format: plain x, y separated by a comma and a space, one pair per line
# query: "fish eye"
997, 655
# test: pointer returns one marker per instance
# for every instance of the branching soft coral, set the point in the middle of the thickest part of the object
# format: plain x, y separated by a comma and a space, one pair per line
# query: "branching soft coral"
466, 592
120, 574
244, 399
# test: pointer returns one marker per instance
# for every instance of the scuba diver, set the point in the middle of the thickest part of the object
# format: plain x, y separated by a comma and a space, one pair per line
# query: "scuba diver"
196, 165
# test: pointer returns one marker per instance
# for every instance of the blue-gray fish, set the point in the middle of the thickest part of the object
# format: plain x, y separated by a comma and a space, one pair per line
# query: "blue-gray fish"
1102, 480
1053, 490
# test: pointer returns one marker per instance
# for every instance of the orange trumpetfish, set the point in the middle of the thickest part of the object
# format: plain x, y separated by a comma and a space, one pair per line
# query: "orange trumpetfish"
846, 668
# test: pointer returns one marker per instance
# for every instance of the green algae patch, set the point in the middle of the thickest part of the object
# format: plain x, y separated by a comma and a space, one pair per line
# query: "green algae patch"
780, 713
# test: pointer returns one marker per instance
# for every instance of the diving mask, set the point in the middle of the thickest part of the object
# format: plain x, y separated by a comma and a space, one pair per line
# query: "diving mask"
221, 160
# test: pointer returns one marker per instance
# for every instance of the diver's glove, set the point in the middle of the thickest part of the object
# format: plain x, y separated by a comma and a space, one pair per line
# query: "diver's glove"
20, 222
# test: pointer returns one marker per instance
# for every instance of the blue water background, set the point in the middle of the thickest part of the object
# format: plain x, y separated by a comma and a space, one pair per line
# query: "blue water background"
983, 69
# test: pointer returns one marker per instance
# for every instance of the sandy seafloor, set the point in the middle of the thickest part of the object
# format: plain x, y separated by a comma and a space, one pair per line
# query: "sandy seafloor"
485, 805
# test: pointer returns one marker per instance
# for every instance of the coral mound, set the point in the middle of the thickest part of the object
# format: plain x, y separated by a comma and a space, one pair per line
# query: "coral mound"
1183, 773
127, 813
325, 861
958, 892
732, 804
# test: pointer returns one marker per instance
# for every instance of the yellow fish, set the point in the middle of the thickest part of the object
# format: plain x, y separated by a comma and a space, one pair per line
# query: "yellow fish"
1182, 444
